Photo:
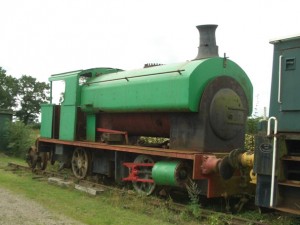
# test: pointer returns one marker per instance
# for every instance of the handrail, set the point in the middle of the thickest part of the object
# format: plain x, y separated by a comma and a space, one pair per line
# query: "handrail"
274, 156
279, 79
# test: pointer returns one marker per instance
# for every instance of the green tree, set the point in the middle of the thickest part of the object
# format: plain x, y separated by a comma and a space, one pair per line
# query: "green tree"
8, 90
251, 131
252, 125
31, 94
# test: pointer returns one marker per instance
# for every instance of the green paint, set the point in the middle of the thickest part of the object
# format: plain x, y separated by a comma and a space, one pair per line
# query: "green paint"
174, 87
67, 128
284, 101
68, 109
163, 173
91, 127
47, 120
5, 118
98, 71
167, 88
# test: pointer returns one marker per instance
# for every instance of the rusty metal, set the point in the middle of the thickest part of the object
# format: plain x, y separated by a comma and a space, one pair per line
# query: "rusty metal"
134, 172
42, 160
80, 163
236, 159
215, 185
181, 154
109, 131
210, 164
216, 169
197, 172
194, 156
226, 170
31, 157
136, 124
144, 173
289, 210
36, 159
205, 213
219, 124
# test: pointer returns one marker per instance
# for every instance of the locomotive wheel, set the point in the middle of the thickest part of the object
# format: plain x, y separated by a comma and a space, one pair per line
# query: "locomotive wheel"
51, 157
80, 163
31, 157
42, 160
145, 173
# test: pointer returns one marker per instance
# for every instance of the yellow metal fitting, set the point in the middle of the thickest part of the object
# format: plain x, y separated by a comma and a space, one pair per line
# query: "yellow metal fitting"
252, 177
247, 159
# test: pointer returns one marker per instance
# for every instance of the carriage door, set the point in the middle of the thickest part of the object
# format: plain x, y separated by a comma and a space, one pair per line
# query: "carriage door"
289, 78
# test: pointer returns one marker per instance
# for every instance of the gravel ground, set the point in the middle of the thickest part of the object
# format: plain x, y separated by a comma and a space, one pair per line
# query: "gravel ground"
17, 210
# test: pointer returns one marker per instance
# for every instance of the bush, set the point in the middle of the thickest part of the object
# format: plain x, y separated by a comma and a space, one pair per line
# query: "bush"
249, 142
19, 137
251, 131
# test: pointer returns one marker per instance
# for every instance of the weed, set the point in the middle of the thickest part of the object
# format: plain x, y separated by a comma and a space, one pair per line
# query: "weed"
194, 192
214, 220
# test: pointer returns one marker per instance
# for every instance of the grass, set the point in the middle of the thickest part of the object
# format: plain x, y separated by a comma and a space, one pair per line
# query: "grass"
110, 207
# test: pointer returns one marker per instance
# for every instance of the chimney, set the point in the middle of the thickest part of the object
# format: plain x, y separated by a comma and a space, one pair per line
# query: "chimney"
207, 47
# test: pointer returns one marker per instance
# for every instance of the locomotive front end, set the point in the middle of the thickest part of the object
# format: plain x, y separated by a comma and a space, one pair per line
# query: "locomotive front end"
200, 104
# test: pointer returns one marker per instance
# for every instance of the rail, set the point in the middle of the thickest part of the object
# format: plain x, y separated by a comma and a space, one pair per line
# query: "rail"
156, 202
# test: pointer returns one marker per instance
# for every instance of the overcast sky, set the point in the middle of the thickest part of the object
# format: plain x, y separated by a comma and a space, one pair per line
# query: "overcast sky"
40, 38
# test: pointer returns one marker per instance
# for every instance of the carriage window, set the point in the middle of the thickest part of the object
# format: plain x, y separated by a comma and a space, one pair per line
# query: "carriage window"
290, 64
58, 91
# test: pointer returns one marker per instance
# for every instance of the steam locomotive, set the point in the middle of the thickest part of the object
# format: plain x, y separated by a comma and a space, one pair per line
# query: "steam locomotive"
199, 108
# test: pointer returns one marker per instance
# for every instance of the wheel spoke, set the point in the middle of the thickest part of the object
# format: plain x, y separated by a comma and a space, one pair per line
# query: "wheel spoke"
80, 163
144, 187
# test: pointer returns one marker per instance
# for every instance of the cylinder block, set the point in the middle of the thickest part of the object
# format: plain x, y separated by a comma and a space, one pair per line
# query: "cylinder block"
172, 173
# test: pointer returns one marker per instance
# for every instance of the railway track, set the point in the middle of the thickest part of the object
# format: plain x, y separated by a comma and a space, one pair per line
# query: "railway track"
176, 207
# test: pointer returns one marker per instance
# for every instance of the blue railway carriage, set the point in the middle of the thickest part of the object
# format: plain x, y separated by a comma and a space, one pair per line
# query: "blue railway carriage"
277, 153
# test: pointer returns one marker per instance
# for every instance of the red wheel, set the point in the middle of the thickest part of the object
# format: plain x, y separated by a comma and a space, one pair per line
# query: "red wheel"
145, 173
